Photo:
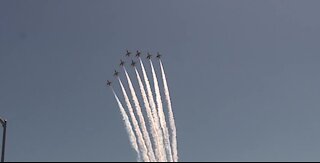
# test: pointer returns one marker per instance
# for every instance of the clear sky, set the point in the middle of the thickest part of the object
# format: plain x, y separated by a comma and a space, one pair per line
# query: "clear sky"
243, 75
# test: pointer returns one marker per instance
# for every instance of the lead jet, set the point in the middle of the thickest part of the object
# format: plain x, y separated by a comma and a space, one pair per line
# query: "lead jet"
133, 63
128, 53
121, 62
109, 83
138, 53
149, 56
158, 55
116, 73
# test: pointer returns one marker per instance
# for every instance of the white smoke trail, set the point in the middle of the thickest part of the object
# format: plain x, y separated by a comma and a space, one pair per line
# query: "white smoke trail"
141, 143
153, 129
141, 118
154, 110
162, 118
128, 126
171, 116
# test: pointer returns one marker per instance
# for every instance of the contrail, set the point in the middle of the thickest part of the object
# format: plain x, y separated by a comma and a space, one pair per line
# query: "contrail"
153, 129
153, 108
171, 117
141, 143
161, 114
128, 126
141, 118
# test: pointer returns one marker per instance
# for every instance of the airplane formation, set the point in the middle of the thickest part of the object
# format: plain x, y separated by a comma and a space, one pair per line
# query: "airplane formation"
153, 144
133, 63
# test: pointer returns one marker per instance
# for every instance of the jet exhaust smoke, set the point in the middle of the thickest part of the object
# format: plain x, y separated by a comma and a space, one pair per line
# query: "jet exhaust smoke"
153, 108
153, 129
161, 114
152, 139
171, 116
141, 118
141, 143
128, 126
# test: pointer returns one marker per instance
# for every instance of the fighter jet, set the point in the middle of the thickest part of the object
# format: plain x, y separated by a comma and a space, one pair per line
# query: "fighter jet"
133, 63
116, 73
149, 56
158, 55
128, 53
109, 83
121, 62
138, 53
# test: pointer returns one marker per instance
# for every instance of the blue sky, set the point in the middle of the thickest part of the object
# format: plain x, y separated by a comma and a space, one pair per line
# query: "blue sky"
243, 77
